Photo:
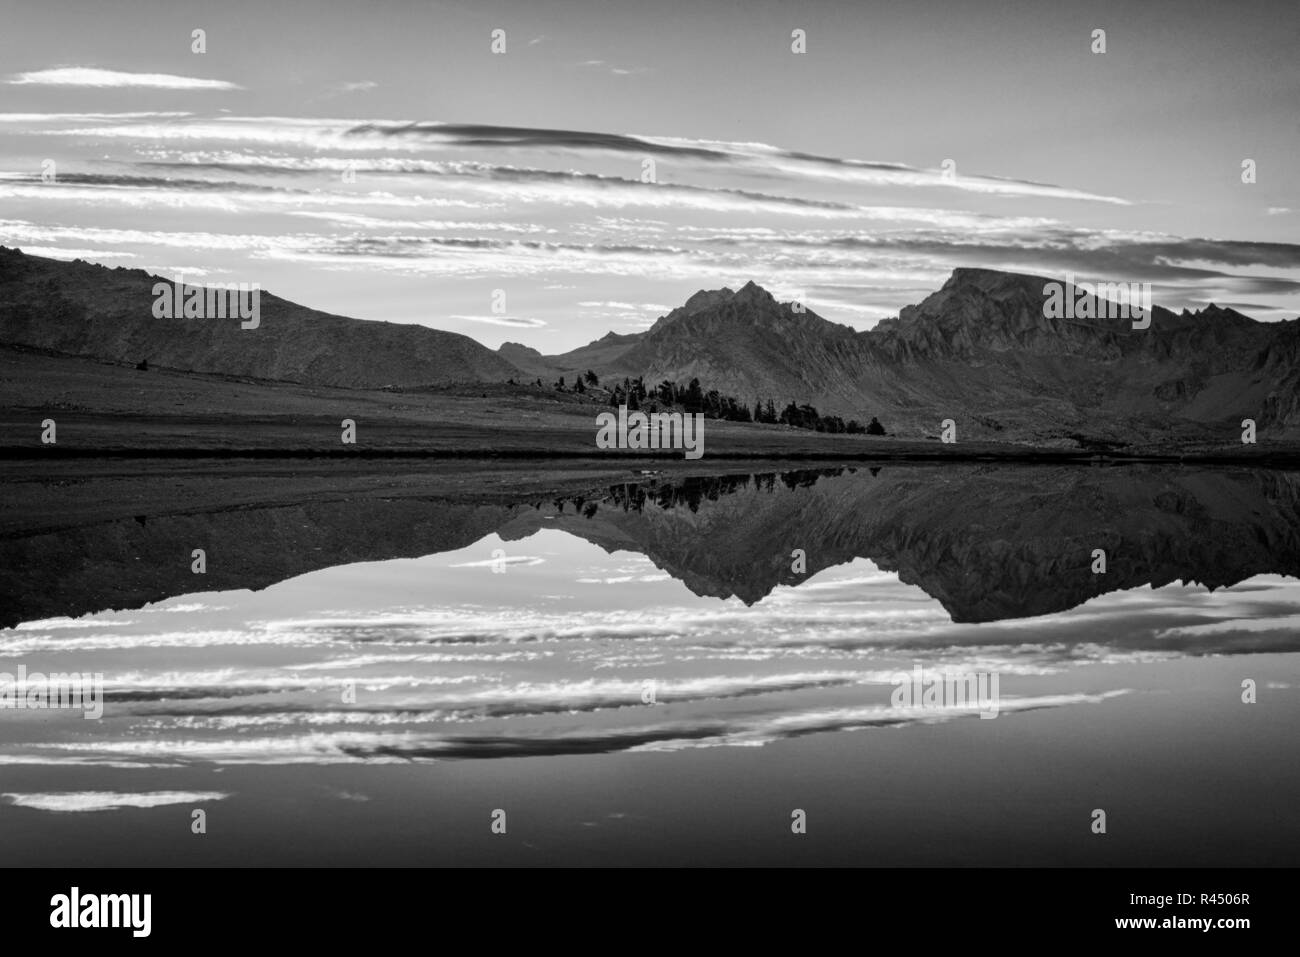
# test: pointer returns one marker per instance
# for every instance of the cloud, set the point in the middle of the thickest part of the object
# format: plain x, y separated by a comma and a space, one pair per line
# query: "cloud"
752, 158
650, 306
87, 117
568, 187
80, 801
524, 137
519, 560
520, 323
349, 87
758, 156
610, 68
91, 77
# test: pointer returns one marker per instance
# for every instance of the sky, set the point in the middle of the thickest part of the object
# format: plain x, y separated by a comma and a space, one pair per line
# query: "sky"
381, 161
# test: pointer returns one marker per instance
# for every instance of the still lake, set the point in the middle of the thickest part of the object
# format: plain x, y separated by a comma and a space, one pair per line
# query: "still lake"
666, 670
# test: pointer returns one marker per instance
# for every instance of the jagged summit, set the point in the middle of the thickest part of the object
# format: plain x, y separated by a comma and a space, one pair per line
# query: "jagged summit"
751, 294
1215, 311
706, 298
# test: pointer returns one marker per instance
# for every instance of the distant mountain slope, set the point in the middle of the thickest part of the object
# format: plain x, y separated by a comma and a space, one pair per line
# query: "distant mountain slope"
980, 351
982, 346
526, 359
82, 309
747, 344
606, 354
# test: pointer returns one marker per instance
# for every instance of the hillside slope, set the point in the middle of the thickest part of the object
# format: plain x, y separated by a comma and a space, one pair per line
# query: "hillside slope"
82, 309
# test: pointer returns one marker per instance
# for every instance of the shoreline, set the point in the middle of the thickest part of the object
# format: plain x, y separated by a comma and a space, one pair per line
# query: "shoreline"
984, 453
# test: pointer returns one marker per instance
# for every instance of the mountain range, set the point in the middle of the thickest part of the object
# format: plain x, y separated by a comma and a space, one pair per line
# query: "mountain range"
981, 350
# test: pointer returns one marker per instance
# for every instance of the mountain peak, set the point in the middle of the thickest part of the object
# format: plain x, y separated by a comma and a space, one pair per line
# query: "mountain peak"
708, 298
704, 299
989, 280
753, 292
698, 302
518, 348
1214, 309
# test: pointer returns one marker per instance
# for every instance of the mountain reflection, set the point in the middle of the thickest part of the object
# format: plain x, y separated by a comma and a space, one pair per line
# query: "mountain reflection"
988, 543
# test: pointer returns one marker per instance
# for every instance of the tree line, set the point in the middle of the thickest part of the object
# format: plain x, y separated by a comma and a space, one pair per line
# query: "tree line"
694, 398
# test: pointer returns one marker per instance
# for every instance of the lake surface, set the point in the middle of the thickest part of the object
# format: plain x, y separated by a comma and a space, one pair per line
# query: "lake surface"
667, 670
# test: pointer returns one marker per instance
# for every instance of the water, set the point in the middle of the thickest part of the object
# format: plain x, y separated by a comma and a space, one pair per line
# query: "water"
667, 670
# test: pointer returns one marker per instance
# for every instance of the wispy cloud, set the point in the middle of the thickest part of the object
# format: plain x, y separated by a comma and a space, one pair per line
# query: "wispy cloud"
521, 560
81, 801
611, 68
93, 77
650, 306
516, 322
348, 87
